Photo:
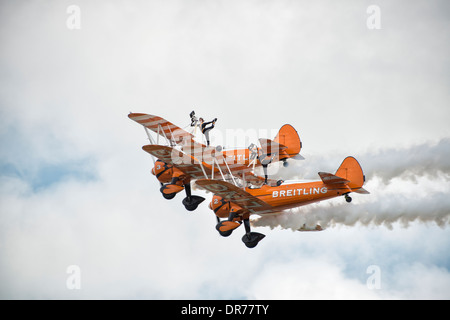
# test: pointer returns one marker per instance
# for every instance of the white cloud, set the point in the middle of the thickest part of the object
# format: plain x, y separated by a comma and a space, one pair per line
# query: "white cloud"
418, 281
65, 95
307, 278
128, 249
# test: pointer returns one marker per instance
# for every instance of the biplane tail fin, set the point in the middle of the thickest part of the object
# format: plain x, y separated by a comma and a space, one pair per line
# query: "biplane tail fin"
351, 170
288, 136
349, 173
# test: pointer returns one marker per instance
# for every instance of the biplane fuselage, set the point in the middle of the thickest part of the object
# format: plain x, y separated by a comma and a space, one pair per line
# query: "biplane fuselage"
291, 195
273, 199
281, 197
241, 156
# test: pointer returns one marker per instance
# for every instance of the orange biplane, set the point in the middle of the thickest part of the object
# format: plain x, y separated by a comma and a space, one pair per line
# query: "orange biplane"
238, 192
196, 160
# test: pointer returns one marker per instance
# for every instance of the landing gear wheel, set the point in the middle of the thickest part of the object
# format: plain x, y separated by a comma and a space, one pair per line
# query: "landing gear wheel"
251, 239
223, 233
225, 228
169, 191
348, 198
169, 196
191, 207
191, 203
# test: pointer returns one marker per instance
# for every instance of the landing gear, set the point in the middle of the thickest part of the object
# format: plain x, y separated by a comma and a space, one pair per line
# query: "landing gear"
251, 239
225, 229
170, 190
168, 196
348, 198
191, 202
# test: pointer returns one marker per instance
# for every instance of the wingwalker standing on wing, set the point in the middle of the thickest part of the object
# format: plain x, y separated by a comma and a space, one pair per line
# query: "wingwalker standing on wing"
229, 175
205, 130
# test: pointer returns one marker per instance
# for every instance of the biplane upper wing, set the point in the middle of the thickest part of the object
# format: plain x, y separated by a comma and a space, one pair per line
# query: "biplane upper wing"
236, 195
162, 127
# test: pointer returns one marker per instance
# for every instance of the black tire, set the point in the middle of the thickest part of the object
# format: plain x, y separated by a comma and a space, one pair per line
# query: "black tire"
193, 203
191, 207
252, 239
251, 244
169, 196
223, 233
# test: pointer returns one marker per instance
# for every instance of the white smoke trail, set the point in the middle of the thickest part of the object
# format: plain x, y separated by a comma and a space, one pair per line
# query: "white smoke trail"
424, 159
406, 185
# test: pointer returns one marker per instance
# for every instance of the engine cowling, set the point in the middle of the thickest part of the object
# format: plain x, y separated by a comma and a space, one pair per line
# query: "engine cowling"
162, 171
222, 208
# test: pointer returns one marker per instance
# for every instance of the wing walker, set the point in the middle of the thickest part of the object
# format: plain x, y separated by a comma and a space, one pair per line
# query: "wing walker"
229, 174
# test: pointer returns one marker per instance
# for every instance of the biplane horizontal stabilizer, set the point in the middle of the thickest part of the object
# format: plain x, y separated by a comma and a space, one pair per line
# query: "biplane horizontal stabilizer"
361, 191
271, 146
329, 178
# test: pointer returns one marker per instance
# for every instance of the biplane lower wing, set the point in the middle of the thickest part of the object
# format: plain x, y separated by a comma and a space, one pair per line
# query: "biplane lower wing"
236, 195
200, 169
186, 163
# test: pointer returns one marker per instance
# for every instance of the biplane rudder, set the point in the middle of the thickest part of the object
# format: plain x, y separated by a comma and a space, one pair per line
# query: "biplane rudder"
289, 137
351, 170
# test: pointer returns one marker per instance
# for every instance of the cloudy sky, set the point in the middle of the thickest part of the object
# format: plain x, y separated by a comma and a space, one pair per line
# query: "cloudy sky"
76, 188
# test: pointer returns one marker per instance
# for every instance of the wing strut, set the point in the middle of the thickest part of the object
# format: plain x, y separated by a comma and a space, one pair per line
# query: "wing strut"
229, 171
151, 141
220, 170
203, 169
169, 141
